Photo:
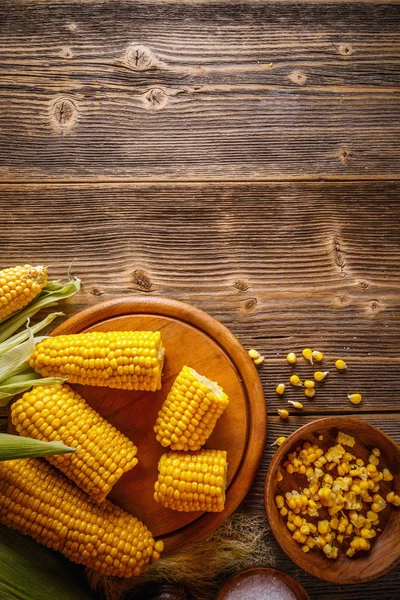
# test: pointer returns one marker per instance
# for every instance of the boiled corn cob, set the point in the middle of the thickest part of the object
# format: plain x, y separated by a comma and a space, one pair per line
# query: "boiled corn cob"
103, 454
39, 501
190, 412
128, 360
18, 286
191, 482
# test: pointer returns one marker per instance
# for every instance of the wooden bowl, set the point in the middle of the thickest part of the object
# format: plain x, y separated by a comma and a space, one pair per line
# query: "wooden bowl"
261, 576
194, 338
385, 548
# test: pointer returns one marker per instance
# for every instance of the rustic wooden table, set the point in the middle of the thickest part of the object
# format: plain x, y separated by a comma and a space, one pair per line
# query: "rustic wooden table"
242, 157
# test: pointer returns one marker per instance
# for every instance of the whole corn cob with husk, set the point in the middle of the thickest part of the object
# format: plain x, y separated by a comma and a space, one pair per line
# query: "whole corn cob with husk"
191, 482
39, 501
190, 412
128, 360
103, 454
18, 286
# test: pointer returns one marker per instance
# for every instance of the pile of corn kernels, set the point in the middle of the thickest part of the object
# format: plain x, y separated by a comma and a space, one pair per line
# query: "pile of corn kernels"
342, 488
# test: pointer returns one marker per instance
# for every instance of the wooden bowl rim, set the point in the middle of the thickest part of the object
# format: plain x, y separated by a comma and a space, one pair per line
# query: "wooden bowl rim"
292, 583
307, 565
244, 366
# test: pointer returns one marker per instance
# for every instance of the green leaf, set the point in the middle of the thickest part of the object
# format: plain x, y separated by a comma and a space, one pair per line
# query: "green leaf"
22, 382
20, 337
30, 571
52, 293
14, 446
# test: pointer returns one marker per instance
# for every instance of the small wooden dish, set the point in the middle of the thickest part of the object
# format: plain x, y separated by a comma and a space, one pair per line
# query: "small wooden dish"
385, 548
261, 575
190, 337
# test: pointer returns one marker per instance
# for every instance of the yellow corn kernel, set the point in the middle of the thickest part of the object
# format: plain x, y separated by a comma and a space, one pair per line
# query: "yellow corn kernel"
291, 358
129, 360
307, 354
305, 529
296, 404
355, 398
376, 452
309, 392
305, 548
280, 388
367, 533
259, 360
373, 460
289, 469
283, 511
190, 411
298, 521
347, 440
350, 552
279, 441
279, 501
194, 469
253, 353
340, 365
291, 526
320, 375
323, 527
278, 476
66, 417
295, 380
309, 383
57, 513
19, 286
283, 413
317, 355
299, 537
393, 498
334, 523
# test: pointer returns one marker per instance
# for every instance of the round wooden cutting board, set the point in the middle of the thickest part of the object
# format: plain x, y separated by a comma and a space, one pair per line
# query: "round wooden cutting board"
193, 338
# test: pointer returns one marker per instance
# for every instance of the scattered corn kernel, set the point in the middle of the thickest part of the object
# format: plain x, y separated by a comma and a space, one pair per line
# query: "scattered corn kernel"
295, 380
291, 358
278, 476
253, 353
309, 392
280, 388
317, 355
320, 375
283, 413
309, 383
296, 404
355, 398
387, 476
340, 365
279, 441
259, 360
307, 353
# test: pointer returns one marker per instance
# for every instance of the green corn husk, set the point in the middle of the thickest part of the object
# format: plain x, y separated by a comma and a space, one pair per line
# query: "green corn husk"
13, 447
30, 571
53, 292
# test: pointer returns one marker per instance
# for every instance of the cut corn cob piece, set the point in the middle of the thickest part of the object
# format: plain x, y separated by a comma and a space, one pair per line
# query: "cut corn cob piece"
103, 454
128, 360
18, 286
191, 482
37, 500
190, 412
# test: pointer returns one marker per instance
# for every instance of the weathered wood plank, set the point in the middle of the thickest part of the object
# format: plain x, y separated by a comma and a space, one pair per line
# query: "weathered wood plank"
110, 91
386, 586
282, 265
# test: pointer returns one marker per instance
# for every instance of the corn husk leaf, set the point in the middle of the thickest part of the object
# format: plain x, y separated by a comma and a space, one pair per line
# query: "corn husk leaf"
14, 358
20, 337
14, 446
53, 292
21, 382
30, 571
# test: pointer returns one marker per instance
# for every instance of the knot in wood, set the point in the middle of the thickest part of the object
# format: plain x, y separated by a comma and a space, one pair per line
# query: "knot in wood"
345, 49
141, 280
241, 285
155, 99
345, 156
63, 114
65, 52
250, 303
298, 77
140, 58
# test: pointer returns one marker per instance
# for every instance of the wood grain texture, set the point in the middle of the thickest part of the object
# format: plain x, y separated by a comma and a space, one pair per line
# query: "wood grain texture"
190, 91
284, 266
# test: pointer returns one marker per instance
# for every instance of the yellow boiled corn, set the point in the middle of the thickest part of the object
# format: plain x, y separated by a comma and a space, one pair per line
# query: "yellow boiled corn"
128, 360
18, 286
190, 411
191, 482
103, 454
37, 500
